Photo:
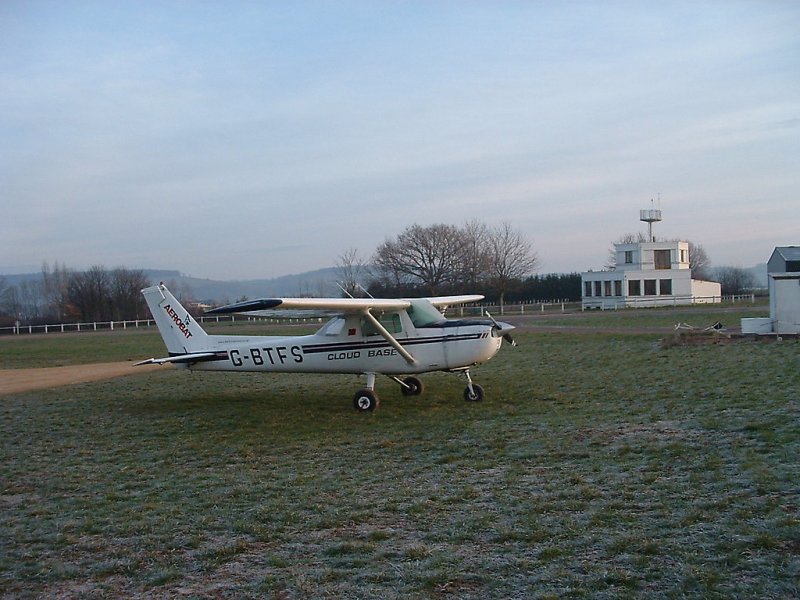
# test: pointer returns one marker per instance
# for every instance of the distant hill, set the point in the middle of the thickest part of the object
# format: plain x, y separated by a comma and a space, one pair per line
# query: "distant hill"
760, 274
321, 282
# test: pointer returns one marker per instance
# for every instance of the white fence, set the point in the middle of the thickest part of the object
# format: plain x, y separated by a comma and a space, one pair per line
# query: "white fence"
615, 303
117, 325
525, 308
462, 311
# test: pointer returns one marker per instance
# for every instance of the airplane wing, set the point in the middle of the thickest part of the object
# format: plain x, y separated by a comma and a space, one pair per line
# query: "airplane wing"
445, 301
354, 305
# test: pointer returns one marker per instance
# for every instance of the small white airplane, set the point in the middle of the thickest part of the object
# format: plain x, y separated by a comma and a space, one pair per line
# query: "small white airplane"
366, 337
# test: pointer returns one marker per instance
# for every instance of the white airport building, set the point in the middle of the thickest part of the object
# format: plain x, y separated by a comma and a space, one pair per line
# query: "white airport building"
647, 274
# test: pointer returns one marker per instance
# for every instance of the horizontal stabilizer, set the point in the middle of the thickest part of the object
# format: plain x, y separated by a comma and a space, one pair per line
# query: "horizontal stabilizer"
185, 358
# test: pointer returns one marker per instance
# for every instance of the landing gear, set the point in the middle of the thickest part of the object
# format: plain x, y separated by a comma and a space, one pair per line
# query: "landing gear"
365, 400
473, 395
410, 386
473, 392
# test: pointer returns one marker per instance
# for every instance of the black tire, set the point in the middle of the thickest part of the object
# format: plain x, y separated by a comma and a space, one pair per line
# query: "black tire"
476, 395
414, 386
365, 400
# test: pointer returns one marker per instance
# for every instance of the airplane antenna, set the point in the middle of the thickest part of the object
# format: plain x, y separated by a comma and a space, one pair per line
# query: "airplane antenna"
341, 287
363, 289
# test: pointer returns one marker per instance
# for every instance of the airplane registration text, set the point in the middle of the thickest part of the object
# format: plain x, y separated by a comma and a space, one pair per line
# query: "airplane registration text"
279, 355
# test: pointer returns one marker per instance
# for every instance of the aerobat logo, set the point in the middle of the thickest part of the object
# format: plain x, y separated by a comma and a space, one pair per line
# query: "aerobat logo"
183, 324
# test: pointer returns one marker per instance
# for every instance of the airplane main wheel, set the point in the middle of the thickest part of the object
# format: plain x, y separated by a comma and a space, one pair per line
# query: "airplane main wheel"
413, 386
473, 395
365, 401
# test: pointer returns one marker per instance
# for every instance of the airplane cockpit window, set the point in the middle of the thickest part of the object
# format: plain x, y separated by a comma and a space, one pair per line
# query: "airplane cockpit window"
390, 322
333, 327
424, 314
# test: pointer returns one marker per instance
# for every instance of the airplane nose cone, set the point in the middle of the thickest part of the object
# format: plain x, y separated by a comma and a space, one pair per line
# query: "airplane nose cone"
504, 330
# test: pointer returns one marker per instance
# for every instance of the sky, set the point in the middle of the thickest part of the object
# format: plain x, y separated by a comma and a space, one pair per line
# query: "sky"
247, 140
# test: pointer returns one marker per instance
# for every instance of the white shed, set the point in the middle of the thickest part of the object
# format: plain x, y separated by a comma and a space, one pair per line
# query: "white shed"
783, 272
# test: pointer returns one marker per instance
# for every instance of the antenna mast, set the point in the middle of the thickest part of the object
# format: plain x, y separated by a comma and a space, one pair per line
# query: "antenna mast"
650, 216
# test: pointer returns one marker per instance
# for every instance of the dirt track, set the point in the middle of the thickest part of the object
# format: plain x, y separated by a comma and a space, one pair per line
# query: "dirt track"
14, 381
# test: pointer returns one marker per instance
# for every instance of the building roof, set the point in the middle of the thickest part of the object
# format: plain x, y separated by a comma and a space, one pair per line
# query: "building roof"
784, 259
788, 252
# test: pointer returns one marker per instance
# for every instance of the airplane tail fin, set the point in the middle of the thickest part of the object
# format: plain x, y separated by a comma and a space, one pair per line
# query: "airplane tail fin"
181, 333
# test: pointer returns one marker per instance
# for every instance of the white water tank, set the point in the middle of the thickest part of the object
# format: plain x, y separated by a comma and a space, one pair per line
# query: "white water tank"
759, 326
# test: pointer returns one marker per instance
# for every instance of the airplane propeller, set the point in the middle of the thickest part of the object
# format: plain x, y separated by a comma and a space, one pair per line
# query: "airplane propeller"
499, 328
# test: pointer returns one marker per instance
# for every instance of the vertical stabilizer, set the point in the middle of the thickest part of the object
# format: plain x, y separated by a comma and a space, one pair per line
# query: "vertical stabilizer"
181, 333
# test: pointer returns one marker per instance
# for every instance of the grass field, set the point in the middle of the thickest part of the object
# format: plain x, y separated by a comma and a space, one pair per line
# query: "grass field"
599, 465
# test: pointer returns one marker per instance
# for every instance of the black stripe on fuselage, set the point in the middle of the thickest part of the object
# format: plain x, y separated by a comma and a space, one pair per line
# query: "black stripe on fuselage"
381, 343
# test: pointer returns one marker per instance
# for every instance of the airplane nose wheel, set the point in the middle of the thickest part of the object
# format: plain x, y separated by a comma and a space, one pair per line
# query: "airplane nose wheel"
411, 386
473, 392
473, 395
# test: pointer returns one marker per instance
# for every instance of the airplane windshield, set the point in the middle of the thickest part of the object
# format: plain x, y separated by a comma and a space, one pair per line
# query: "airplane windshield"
423, 313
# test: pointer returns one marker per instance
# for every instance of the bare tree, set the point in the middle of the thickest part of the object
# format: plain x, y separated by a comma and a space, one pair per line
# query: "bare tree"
30, 300
5, 292
125, 288
477, 251
735, 280
699, 262
54, 288
428, 256
100, 295
512, 257
351, 269
88, 292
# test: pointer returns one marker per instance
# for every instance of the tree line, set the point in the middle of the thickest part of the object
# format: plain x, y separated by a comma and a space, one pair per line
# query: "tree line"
500, 262
445, 259
62, 295
440, 259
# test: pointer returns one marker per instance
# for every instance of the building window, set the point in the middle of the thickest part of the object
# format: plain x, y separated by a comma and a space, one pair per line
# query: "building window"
684, 258
606, 288
665, 287
662, 259
634, 287
649, 287
618, 288
628, 257
587, 289
598, 288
